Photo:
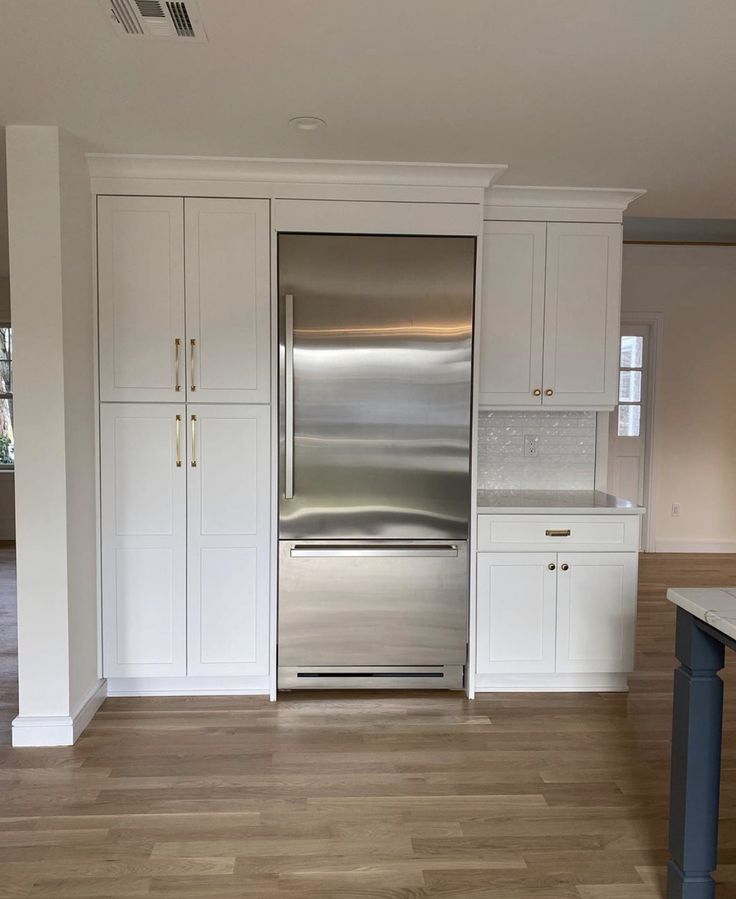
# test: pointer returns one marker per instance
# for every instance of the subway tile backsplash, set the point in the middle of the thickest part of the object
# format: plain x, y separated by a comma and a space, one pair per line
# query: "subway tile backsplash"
565, 450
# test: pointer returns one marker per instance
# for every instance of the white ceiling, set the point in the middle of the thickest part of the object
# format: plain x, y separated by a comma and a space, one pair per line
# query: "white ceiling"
615, 93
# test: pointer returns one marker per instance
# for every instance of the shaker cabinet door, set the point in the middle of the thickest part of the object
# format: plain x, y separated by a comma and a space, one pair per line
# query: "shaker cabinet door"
140, 257
143, 493
596, 608
516, 604
228, 539
512, 314
582, 312
227, 300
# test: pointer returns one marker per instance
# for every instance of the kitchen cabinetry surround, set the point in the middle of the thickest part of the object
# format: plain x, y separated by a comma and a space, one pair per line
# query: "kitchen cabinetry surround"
187, 377
556, 591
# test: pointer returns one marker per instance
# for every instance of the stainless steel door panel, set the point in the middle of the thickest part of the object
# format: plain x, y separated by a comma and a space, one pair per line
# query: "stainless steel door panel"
370, 608
375, 362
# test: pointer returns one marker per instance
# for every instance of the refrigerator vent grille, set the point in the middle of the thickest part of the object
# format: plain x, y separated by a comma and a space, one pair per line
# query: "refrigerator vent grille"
156, 19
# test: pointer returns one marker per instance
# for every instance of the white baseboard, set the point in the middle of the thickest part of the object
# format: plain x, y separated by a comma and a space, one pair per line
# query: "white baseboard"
188, 686
667, 545
59, 730
551, 683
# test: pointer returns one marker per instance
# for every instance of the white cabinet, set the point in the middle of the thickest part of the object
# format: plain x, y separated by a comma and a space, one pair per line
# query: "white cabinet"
550, 314
516, 612
555, 601
596, 611
228, 539
185, 539
143, 540
183, 299
140, 251
512, 315
227, 300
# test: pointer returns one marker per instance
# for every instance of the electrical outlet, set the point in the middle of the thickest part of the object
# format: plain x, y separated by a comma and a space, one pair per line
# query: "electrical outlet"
675, 509
531, 445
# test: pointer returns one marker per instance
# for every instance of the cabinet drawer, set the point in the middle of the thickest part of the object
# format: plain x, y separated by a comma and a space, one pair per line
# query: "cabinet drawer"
536, 533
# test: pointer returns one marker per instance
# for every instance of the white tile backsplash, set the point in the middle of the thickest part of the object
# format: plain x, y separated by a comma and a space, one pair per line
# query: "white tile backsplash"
565, 457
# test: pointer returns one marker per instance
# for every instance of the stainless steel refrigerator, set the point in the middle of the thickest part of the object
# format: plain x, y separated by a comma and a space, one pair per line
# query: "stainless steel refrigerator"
375, 338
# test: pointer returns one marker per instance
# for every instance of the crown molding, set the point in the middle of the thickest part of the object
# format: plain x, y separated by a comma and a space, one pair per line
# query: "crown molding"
614, 199
285, 171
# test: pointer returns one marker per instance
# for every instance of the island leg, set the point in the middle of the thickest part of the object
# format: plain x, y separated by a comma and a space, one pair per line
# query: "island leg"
696, 761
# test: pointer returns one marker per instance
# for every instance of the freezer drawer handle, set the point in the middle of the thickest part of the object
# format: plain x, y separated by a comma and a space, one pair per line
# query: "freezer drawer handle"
313, 551
559, 533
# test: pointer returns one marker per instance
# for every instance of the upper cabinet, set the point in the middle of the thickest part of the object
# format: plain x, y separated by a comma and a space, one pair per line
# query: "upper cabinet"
184, 299
550, 314
140, 253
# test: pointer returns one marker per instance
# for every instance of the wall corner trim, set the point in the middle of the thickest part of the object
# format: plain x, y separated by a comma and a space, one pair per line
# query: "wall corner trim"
59, 730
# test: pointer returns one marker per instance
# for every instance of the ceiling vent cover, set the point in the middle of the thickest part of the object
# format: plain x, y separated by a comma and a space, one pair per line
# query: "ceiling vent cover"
156, 19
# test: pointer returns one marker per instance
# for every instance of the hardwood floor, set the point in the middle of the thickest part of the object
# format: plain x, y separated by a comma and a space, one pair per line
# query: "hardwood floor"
410, 796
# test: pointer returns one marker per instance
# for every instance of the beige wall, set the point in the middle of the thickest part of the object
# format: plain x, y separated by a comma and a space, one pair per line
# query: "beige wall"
695, 419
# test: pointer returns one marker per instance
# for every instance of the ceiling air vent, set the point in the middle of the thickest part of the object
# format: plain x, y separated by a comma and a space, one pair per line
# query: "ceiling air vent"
156, 19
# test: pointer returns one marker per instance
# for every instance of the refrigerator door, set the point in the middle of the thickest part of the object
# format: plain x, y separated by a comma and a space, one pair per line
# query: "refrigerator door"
375, 367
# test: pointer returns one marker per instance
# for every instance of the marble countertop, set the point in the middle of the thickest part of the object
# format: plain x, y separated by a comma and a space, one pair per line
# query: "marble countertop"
556, 501
715, 606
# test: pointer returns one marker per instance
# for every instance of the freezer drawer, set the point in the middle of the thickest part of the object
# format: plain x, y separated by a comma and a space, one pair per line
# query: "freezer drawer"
374, 604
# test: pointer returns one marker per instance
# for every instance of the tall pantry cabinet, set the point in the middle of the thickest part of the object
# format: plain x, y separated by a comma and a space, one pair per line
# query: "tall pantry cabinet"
184, 371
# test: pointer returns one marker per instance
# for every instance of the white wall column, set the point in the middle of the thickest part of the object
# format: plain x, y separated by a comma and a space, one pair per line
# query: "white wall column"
52, 306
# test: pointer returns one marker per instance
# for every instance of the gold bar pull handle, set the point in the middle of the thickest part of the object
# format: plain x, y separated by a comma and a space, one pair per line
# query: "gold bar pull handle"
178, 441
177, 362
192, 350
557, 533
194, 441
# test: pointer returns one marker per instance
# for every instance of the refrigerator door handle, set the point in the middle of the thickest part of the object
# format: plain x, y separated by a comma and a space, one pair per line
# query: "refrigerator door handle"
307, 551
289, 396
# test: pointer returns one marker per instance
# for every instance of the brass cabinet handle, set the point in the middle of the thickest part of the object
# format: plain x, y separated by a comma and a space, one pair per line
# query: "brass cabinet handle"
559, 533
551, 566
564, 566
192, 348
178, 440
194, 441
177, 362
548, 391
537, 392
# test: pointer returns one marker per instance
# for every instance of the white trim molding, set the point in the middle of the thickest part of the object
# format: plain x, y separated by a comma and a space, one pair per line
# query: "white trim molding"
59, 730
189, 686
551, 683
674, 545
589, 204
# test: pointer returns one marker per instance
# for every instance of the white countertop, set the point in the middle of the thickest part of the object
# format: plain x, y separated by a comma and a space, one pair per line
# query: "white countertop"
578, 502
715, 606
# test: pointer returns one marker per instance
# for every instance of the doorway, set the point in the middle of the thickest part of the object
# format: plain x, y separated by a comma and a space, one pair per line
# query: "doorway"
630, 432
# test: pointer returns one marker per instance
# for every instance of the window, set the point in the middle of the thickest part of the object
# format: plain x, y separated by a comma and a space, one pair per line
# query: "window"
629, 386
7, 439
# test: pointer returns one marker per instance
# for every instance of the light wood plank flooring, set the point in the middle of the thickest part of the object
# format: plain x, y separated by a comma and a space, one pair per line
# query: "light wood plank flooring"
418, 796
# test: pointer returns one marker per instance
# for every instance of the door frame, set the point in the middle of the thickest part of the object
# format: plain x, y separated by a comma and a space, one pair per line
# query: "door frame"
655, 321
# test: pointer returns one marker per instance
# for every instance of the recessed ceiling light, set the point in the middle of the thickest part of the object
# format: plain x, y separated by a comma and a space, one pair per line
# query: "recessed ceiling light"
307, 123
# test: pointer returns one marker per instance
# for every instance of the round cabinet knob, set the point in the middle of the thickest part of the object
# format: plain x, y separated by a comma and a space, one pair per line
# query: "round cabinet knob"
548, 391
551, 566
537, 392
564, 566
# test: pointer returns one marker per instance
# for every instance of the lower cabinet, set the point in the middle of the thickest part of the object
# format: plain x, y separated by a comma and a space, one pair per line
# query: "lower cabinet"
185, 539
548, 613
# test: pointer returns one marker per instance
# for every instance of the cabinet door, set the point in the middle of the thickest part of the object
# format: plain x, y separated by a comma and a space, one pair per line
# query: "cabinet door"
143, 540
228, 301
140, 250
581, 314
228, 540
596, 612
516, 613
512, 314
